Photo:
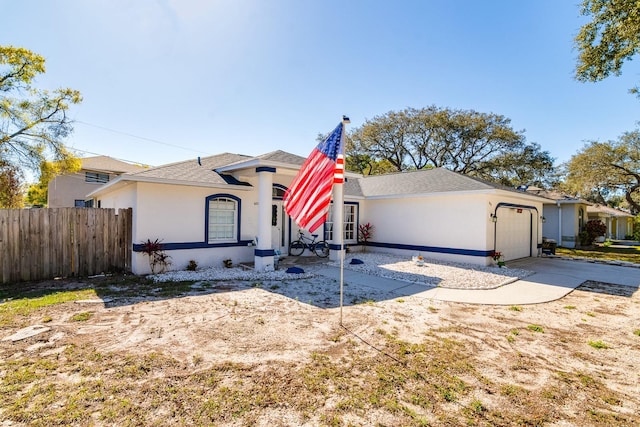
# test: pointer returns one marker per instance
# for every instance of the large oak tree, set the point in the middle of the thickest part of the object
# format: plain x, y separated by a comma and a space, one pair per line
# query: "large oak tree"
33, 122
483, 145
609, 40
604, 168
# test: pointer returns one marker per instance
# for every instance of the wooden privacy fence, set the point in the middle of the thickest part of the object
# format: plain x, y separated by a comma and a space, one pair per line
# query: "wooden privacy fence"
37, 244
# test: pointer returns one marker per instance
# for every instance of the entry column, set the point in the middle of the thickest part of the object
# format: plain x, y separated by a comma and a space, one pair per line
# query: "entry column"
263, 255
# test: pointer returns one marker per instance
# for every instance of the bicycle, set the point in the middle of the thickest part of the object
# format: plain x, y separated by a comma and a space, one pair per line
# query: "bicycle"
297, 247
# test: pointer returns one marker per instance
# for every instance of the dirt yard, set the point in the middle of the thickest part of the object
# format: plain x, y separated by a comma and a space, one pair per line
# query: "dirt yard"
272, 353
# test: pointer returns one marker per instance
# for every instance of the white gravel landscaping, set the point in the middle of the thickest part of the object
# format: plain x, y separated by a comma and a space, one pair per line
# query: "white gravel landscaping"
432, 273
435, 273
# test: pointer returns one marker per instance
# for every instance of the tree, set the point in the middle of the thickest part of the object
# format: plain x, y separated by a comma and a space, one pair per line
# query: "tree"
478, 144
33, 122
608, 168
37, 194
10, 186
610, 39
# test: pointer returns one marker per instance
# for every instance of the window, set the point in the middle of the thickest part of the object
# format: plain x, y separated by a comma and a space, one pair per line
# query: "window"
580, 219
277, 192
100, 178
222, 218
78, 203
349, 227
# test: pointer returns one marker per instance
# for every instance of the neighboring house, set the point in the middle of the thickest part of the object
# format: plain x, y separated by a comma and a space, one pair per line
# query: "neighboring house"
564, 216
72, 189
218, 207
619, 223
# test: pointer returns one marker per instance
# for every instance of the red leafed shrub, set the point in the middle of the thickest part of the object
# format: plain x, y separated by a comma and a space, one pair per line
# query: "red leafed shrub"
594, 228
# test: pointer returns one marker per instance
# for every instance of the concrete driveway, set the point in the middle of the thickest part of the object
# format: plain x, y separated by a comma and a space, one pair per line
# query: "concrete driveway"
553, 279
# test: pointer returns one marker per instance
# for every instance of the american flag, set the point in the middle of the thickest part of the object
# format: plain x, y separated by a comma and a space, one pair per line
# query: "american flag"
308, 198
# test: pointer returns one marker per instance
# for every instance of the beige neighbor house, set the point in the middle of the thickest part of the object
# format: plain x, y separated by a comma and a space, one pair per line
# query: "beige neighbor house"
71, 190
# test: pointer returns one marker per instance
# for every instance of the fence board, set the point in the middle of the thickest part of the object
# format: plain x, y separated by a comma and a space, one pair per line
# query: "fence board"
39, 244
4, 250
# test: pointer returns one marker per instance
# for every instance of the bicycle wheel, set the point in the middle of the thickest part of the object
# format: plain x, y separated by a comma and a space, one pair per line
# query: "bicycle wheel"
321, 249
296, 248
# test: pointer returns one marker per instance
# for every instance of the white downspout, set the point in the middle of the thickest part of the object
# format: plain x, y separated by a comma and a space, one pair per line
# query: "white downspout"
559, 241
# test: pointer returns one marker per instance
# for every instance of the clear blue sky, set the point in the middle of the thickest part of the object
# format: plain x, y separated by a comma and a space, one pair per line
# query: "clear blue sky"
253, 76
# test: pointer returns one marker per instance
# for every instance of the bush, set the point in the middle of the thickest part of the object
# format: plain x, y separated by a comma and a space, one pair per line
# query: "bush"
594, 228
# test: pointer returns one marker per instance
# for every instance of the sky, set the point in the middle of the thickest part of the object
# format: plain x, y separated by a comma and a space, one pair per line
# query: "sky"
170, 80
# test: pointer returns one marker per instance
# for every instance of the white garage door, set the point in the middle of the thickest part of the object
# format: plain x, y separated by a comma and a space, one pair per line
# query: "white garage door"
513, 232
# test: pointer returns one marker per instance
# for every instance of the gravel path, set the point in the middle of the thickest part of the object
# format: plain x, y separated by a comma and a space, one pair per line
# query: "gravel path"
432, 273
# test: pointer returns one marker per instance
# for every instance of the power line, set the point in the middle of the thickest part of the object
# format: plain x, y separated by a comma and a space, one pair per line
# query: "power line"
155, 141
106, 155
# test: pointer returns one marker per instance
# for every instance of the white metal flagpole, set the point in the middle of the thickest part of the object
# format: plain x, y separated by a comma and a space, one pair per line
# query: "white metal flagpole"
345, 120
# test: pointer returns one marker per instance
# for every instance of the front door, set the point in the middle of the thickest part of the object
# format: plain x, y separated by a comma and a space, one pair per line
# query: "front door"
278, 227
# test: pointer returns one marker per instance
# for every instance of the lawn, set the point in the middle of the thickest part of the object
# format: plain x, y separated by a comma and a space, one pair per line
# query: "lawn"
244, 354
610, 253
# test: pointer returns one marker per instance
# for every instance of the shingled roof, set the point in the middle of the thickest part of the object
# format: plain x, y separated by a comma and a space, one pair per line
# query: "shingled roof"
211, 171
109, 164
420, 182
613, 212
280, 156
201, 171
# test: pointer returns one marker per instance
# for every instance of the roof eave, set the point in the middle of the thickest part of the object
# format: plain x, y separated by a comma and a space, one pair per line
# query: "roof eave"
154, 180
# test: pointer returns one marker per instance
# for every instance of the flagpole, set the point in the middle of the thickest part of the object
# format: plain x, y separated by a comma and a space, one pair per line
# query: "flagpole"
345, 120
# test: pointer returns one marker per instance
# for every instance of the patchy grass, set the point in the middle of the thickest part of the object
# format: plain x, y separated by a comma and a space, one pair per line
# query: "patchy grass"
411, 384
81, 317
609, 253
31, 301
439, 378
598, 345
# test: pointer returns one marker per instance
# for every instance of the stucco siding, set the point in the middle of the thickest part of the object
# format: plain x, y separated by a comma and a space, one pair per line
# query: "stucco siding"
550, 229
447, 222
64, 190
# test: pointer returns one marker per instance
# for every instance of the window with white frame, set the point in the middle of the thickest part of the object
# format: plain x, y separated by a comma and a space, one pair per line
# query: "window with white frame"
222, 219
349, 224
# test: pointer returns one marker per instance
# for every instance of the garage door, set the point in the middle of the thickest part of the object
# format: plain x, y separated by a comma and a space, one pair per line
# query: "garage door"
513, 232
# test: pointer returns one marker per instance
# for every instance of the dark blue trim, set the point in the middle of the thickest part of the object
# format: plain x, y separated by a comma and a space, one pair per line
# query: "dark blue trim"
206, 214
194, 245
419, 248
265, 169
335, 247
264, 252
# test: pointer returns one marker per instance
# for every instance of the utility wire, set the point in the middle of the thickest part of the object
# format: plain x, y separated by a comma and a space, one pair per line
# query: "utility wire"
106, 155
155, 141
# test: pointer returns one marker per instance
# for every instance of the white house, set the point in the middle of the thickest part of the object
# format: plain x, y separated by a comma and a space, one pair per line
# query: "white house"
565, 216
216, 208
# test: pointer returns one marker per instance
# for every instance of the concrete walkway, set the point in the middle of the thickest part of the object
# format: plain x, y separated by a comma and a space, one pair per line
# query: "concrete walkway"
552, 280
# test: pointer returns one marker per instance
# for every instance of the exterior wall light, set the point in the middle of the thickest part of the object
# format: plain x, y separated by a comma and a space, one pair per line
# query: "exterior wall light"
543, 219
494, 217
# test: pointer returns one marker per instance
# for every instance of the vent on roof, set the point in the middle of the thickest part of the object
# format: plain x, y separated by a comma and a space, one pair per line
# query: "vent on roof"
231, 180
